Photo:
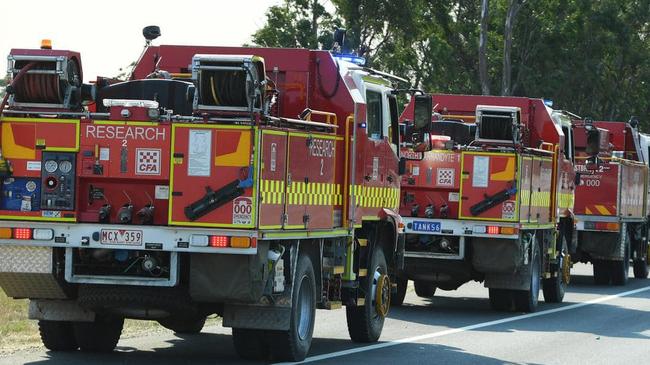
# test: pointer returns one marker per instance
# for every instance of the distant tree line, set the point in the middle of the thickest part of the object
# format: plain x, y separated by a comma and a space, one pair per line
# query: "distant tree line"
589, 57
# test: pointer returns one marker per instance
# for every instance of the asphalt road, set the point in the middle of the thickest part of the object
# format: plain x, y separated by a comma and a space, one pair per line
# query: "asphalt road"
595, 325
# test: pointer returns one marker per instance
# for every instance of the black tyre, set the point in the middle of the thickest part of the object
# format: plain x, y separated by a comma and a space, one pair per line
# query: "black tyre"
527, 300
601, 272
398, 299
555, 286
621, 269
424, 289
101, 335
501, 299
57, 335
641, 263
366, 322
251, 344
294, 344
184, 325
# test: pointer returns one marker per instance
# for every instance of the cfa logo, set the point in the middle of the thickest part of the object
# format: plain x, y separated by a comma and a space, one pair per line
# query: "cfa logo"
147, 161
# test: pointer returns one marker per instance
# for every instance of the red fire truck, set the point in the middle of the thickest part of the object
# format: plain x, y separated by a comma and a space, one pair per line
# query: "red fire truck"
491, 201
611, 204
255, 183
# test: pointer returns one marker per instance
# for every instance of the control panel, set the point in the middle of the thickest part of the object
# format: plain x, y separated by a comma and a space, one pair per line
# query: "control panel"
58, 181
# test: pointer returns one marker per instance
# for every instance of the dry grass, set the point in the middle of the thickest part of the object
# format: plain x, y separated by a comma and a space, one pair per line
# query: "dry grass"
17, 332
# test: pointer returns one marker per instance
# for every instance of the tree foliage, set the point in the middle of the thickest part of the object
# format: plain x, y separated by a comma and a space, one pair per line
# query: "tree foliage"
3, 85
297, 23
590, 57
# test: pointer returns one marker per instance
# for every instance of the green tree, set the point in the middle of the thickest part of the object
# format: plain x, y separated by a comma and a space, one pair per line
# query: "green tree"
297, 23
590, 57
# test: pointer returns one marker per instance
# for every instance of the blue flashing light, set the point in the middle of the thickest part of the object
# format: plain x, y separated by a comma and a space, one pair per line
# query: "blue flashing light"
548, 103
357, 60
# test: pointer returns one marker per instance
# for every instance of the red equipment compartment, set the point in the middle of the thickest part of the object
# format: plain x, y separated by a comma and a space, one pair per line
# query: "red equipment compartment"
486, 175
23, 142
311, 189
218, 158
616, 188
23, 139
123, 163
272, 178
433, 180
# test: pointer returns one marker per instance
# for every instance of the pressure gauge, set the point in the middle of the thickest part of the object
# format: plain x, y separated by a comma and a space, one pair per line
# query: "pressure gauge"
51, 166
65, 166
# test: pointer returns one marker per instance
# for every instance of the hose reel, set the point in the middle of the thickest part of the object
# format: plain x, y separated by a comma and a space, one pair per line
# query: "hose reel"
53, 81
228, 83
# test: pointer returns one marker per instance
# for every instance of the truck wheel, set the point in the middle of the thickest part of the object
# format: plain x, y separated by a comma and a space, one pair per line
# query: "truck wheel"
424, 289
641, 263
294, 344
501, 299
555, 286
184, 325
527, 300
366, 322
250, 344
620, 269
101, 335
601, 272
57, 335
398, 299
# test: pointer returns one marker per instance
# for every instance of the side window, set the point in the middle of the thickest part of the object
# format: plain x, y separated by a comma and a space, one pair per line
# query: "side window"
394, 116
568, 143
374, 114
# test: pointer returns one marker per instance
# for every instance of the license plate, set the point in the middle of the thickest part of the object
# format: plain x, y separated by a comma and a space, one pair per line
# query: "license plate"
422, 226
121, 237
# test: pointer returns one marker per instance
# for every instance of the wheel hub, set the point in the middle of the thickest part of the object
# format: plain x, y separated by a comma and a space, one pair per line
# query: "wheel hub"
382, 295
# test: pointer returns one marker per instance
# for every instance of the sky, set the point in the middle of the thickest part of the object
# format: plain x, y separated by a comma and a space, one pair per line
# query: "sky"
108, 34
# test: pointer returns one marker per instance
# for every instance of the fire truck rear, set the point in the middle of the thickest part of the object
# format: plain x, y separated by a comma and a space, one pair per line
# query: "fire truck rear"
491, 201
611, 203
258, 184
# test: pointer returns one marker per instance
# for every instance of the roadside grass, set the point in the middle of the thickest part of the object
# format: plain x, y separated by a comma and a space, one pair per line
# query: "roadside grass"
17, 332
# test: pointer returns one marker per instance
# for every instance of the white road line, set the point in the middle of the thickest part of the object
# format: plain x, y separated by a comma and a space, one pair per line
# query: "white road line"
470, 327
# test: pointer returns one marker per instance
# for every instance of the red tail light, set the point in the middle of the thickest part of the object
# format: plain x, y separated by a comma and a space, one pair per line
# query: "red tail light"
218, 241
22, 233
493, 229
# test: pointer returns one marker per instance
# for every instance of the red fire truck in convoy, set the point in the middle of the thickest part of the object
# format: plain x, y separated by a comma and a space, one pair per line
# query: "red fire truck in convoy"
611, 203
255, 183
491, 201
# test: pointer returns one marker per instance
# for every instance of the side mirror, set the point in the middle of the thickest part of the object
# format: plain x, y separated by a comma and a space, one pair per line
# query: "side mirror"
401, 166
422, 112
593, 138
576, 179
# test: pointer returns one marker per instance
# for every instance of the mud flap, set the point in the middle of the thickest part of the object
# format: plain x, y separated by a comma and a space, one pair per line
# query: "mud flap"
257, 317
497, 256
59, 310
219, 278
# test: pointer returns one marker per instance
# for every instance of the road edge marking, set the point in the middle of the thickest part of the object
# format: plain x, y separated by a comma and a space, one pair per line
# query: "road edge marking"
452, 331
